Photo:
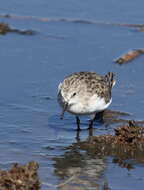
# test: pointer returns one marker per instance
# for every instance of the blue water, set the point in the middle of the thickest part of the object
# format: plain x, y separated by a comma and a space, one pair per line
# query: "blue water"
31, 68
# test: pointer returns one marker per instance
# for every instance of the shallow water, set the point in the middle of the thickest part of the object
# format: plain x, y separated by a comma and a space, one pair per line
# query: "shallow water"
31, 69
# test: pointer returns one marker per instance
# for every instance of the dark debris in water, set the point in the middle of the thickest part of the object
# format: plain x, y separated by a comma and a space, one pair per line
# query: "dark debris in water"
132, 54
43, 97
5, 28
23, 32
108, 117
20, 177
123, 163
139, 27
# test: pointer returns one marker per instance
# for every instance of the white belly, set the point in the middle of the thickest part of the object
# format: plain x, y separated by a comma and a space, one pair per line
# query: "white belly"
94, 104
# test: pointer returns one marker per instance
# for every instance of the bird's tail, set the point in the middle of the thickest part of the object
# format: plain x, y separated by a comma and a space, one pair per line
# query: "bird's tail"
110, 79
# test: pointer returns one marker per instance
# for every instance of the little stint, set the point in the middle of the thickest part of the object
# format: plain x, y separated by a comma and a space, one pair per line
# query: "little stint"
85, 93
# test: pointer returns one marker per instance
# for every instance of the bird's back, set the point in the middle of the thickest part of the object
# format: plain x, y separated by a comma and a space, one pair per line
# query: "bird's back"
90, 82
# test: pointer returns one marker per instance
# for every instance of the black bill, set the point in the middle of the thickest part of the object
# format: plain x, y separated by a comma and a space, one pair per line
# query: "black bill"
63, 110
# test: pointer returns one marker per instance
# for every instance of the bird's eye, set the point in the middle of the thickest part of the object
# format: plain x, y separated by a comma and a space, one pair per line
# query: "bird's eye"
74, 94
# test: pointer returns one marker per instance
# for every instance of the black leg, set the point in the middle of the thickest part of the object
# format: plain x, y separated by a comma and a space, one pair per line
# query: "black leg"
93, 118
99, 116
90, 132
90, 137
78, 123
78, 136
91, 124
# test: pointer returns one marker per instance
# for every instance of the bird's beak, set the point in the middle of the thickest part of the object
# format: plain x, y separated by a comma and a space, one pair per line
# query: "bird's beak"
63, 110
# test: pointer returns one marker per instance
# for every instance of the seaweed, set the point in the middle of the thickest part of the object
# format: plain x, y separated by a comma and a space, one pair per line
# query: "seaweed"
5, 28
20, 177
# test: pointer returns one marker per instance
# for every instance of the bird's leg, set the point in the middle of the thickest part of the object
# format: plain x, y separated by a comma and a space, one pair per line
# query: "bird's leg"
90, 137
90, 130
91, 124
78, 123
78, 136
99, 116
93, 116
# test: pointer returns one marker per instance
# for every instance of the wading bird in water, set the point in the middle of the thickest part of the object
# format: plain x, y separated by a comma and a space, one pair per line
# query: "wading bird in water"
85, 93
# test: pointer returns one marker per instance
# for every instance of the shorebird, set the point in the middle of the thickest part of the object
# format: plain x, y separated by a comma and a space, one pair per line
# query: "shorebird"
85, 93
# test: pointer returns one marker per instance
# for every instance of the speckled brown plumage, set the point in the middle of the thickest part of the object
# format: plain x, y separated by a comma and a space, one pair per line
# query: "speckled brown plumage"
85, 93
91, 83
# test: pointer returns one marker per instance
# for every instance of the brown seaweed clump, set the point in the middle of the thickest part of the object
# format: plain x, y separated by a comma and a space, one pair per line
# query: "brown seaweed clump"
20, 177
129, 135
127, 142
4, 28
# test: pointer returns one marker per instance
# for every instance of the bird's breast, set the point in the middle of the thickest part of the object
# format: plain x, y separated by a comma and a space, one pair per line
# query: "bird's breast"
92, 105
